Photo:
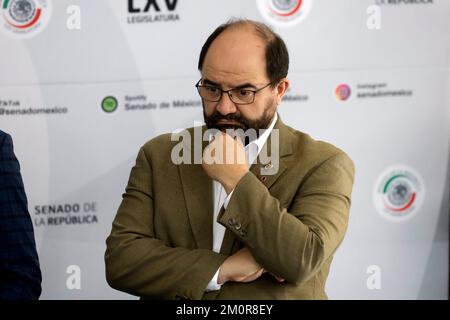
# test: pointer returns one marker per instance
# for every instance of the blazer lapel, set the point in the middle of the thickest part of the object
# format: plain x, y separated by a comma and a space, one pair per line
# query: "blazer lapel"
197, 189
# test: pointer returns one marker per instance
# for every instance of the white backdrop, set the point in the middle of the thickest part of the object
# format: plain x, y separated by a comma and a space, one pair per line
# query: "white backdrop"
395, 124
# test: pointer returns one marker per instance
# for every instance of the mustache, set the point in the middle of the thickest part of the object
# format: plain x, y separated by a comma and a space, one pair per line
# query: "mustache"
216, 116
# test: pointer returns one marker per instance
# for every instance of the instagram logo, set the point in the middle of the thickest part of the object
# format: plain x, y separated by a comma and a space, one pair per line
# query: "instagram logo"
342, 92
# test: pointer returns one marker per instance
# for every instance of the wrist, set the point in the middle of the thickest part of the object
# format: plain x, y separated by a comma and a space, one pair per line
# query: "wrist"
230, 184
221, 278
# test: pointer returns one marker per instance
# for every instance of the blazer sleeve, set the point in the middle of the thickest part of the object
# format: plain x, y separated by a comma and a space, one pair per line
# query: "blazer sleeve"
293, 244
20, 274
138, 262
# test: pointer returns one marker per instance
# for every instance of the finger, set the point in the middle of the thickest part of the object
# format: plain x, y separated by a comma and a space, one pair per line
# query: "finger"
279, 279
251, 277
216, 136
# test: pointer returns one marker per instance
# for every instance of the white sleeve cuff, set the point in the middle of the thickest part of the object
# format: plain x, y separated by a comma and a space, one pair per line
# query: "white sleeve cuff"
213, 285
227, 199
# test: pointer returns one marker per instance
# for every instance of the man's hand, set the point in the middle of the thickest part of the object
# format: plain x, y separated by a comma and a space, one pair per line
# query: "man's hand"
224, 160
240, 267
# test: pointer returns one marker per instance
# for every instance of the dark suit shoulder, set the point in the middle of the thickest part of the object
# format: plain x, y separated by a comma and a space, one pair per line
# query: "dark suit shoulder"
20, 272
8, 161
5, 141
3, 134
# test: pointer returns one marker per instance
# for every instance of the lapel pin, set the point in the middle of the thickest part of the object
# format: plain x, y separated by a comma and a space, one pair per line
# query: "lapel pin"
268, 166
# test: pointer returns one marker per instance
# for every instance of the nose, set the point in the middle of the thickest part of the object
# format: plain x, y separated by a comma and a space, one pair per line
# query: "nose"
225, 105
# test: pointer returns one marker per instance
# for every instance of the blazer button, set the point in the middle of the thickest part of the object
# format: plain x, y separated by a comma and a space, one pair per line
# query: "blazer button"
237, 226
243, 232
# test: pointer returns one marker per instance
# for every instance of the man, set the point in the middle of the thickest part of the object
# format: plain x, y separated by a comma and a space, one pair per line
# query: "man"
226, 230
20, 274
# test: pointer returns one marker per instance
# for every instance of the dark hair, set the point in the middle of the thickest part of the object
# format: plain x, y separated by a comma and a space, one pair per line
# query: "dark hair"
277, 56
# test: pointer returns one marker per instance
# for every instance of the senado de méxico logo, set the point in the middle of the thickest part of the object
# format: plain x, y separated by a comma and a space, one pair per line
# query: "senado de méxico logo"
24, 18
284, 13
399, 193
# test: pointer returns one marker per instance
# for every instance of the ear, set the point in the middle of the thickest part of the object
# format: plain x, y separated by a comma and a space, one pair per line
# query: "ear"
281, 88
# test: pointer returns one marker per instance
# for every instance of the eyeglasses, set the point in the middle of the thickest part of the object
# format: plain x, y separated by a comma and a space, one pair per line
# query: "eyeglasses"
237, 95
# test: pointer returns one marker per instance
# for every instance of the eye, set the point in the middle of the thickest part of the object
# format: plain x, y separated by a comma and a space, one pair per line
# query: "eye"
211, 89
245, 93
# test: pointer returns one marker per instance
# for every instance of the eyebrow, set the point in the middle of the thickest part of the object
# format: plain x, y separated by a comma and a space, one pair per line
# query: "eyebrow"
241, 86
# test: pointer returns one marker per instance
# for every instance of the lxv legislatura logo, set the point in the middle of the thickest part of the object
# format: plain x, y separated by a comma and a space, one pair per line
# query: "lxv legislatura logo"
24, 18
399, 193
284, 13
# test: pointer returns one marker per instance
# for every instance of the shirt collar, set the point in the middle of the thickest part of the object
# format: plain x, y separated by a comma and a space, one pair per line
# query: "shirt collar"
263, 138
254, 148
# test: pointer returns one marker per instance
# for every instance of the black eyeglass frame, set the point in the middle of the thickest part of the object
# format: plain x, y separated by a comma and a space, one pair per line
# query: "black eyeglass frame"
198, 86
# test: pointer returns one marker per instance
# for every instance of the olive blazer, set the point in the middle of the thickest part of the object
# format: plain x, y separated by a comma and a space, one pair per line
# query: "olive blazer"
160, 246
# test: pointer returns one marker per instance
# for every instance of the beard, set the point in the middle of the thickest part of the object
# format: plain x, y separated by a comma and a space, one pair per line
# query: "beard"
241, 122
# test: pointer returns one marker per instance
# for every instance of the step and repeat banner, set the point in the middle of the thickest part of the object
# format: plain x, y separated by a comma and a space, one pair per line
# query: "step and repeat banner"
83, 84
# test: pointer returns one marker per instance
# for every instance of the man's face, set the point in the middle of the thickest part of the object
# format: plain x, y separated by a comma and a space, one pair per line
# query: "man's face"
236, 58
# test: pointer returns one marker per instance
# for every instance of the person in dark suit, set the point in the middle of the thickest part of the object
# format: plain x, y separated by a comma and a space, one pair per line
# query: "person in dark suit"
20, 273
